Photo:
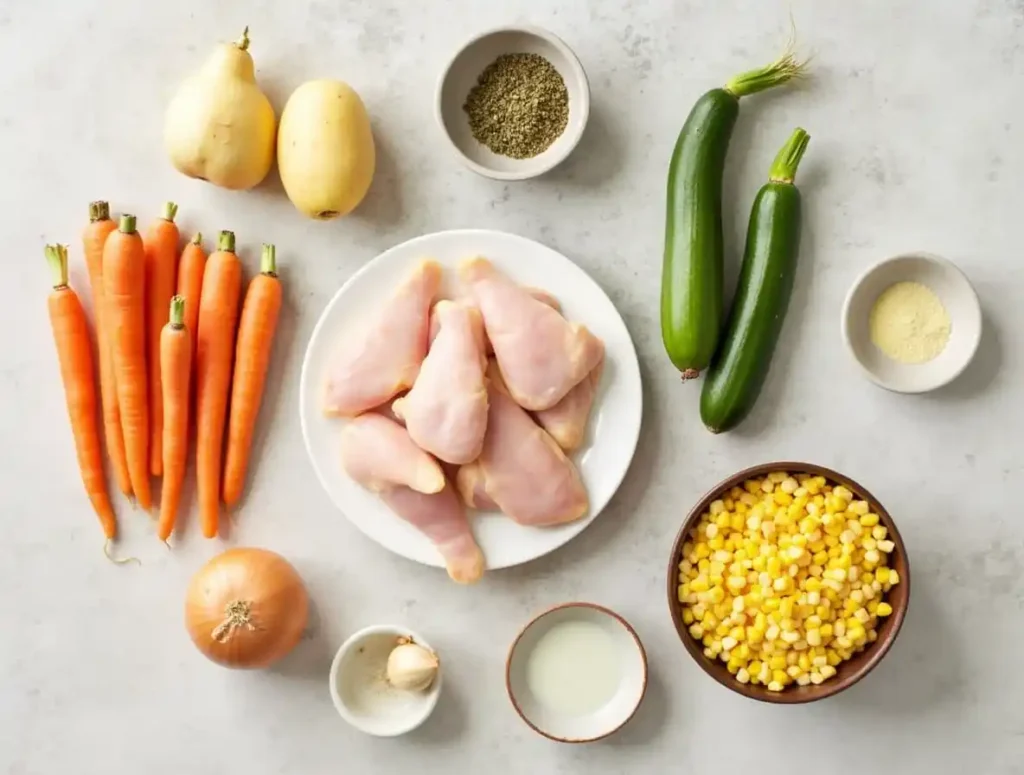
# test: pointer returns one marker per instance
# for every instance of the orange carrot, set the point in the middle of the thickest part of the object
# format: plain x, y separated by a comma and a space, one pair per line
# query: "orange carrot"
161, 244
252, 357
215, 342
74, 350
124, 288
190, 283
175, 366
96, 233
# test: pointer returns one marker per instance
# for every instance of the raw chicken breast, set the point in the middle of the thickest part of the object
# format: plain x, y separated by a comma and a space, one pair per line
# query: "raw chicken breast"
378, 453
541, 355
384, 358
566, 421
441, 517
538, 293
446, 410
521, 468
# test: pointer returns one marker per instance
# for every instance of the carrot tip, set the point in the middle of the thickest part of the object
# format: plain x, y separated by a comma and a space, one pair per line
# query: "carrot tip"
117, 560
198, 238
226, 241
164, 541
170, 210
127, 225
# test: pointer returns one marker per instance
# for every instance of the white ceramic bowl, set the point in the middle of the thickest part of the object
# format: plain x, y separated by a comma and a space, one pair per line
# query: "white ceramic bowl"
362, 696
957, 296
571, 728
461, 74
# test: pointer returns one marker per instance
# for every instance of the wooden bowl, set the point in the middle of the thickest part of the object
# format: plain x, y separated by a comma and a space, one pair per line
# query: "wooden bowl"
849, 672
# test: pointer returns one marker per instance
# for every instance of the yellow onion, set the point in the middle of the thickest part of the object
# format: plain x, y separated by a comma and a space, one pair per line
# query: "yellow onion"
246, 608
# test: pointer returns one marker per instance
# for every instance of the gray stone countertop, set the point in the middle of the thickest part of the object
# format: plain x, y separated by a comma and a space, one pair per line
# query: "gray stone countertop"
916, 144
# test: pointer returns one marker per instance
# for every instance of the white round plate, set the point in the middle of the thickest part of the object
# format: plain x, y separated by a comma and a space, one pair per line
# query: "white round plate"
614, 424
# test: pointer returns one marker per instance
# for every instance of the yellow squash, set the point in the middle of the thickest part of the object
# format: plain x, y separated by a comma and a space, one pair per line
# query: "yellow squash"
220, 127
325, 151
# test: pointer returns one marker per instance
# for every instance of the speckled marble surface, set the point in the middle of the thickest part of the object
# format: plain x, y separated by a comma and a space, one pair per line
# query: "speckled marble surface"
916, 144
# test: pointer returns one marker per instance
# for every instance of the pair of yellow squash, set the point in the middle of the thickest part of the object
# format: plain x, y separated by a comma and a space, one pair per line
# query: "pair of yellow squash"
221, 128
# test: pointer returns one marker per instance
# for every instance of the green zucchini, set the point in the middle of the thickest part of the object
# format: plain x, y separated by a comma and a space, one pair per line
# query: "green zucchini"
691, 281
765, 285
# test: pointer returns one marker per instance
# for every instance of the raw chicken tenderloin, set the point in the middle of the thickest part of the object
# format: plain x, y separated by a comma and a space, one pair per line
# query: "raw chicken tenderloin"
541, 355
446, 410
384, 359
567, 420
378, 454
523, 470
441, 518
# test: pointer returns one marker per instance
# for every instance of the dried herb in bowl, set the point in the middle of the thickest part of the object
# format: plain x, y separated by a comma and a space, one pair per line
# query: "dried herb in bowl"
519, 106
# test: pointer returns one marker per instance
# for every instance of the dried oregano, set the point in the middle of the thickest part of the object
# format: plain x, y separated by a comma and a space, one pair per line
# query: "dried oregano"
519, 105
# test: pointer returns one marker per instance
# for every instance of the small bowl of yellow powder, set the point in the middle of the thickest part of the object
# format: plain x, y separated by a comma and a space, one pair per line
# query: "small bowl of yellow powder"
913, 322
513, 102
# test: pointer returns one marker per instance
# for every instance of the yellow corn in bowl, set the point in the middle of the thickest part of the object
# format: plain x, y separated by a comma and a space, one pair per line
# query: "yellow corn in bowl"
788, 582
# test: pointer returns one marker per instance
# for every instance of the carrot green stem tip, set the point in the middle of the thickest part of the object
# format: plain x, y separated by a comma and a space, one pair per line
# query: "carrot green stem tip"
785, 68
99, 211
57, 258
177, 317
268, 260
127, 225
198, 238
243, 42
226, 241
788, 159
169, 211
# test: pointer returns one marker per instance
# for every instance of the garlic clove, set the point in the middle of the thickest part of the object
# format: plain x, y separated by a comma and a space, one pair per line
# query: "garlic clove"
412, 667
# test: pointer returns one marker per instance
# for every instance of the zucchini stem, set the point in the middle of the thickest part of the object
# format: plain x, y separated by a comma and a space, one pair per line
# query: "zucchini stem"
785, 68
788, 159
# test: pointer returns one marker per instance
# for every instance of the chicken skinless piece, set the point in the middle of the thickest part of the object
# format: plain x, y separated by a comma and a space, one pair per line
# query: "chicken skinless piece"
441, 517
538, 293
541, 355
384, 358
567, 420
378, 453
446, 410
521, 468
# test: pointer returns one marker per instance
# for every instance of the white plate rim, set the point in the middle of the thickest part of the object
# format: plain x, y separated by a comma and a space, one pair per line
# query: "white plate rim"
629, 370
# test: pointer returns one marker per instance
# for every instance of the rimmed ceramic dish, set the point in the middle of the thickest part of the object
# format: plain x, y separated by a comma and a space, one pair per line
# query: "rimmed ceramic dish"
460, 76
957, 296
849, 672
523, 675
604, 457
360, 692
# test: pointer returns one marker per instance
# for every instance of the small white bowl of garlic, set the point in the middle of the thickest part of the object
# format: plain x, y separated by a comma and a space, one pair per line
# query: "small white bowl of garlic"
385, 680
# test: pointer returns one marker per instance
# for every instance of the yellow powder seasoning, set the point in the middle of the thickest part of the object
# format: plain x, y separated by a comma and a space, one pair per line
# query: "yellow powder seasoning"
909, 324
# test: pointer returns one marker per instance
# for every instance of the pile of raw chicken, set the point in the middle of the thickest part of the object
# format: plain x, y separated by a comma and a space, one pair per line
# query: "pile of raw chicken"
468, 402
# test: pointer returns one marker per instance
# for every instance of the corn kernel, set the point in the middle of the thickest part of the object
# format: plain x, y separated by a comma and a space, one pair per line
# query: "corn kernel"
886, 546
894, 577
780, 676
775, 686
878, 532
743, 676
884, 609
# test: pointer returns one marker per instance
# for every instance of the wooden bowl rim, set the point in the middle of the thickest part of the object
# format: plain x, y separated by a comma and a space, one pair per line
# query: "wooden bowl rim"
791, 695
